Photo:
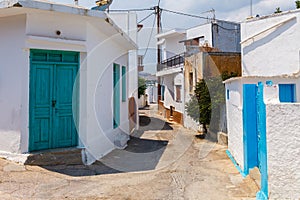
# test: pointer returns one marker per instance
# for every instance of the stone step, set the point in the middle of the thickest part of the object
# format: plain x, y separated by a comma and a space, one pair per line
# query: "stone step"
65, 156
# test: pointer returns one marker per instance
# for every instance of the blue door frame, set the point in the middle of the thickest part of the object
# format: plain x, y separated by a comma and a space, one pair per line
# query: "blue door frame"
262, 143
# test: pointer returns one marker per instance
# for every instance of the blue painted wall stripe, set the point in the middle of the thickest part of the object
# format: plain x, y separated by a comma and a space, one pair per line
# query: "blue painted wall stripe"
235, 163
262, 143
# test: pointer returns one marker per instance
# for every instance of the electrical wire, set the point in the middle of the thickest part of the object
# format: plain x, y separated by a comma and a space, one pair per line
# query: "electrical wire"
185, 14
150, 37
134, 9
146, 17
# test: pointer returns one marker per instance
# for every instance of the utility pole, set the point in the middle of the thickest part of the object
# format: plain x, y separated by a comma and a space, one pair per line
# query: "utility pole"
158, 22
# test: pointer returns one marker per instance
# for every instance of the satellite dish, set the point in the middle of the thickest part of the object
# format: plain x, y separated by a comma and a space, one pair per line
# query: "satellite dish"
102, 5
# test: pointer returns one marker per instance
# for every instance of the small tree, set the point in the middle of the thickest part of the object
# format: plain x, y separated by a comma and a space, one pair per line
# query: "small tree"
209, 95
142, 87
278, 10
297, 4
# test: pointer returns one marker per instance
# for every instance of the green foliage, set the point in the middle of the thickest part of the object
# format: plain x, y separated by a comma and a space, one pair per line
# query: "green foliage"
142, 87
278, 10
209, 95
297, 4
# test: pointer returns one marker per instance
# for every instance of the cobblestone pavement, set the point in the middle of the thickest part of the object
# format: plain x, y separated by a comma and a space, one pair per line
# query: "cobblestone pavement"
166, 161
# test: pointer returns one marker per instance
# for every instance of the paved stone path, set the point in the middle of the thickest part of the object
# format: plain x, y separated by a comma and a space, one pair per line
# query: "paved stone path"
166, 161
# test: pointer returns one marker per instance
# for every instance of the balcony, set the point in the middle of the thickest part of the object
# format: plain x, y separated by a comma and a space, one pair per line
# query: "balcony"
173, 62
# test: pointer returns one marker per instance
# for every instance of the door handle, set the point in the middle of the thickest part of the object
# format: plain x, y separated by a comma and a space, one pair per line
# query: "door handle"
53, 103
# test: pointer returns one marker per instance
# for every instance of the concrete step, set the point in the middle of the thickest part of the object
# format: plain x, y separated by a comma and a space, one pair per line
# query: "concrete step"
64, 156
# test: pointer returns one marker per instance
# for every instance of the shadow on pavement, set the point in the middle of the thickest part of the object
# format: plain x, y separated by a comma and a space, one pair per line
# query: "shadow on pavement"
140, 155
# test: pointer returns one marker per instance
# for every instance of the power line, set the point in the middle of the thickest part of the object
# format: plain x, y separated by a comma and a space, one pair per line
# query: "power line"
146, 17
134, 9
184, 14
150, 37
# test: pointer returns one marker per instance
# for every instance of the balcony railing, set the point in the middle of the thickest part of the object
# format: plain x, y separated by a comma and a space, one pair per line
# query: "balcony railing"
175, 61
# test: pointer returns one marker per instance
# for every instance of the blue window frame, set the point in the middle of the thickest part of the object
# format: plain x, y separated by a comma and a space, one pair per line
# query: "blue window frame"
124, 95
287, 93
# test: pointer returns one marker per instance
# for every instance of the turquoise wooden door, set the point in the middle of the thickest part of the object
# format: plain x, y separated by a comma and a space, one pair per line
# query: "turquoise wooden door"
250, 135
52, 77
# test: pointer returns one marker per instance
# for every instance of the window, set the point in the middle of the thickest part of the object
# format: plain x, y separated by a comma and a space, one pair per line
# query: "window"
124, 95
162, 90
178, 93
287, 93
227, 93
191, 82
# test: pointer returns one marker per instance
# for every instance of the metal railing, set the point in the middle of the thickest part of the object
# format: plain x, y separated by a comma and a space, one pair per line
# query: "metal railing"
174, 61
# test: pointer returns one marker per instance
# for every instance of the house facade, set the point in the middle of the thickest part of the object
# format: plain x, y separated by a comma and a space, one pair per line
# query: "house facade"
68, 79
211, 49
170, 74
262, 105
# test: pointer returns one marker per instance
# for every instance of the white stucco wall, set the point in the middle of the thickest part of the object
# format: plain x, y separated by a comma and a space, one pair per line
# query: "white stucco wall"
172, 46
14, 83
170, 81
127, 22
272, 52
234, 114
283, 142
234, 106
282, 134
99, 44
199, 31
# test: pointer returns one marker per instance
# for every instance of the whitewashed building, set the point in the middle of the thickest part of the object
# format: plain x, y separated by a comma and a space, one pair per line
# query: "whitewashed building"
68, 79
170, 74
263, 105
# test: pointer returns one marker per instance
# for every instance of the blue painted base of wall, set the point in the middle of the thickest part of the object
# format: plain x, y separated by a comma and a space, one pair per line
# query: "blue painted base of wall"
261, 196
235, 164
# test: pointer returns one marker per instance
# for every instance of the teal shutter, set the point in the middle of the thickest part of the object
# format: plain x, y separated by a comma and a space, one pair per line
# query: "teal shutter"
116, 95
124, 95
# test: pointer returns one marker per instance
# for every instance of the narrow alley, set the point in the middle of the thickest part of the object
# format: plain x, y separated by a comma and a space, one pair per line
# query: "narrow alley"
162, 161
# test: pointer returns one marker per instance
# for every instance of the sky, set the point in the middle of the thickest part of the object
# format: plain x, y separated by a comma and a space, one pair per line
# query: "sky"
232, 10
